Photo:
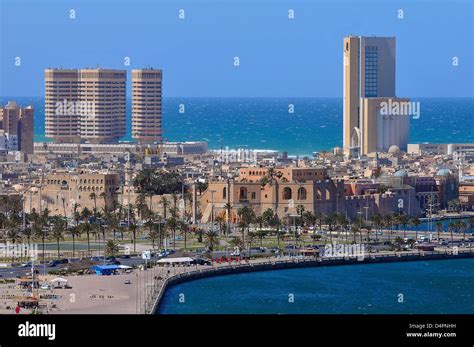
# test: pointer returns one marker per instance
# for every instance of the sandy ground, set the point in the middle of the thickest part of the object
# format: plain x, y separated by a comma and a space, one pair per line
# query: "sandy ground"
90, 294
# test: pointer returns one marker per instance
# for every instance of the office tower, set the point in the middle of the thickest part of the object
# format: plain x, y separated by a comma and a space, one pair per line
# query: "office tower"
369, 78
85, 104
146, 105
61, 87
19, 122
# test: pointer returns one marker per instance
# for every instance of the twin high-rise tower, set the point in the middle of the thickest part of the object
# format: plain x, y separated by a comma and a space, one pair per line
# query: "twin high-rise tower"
90, 105
369, 93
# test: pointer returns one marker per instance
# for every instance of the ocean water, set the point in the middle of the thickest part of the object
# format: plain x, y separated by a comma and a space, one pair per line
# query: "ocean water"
265, 123
425, 226
425, 287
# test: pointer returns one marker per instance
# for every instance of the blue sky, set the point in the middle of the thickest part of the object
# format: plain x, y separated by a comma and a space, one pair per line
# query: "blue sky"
279, 57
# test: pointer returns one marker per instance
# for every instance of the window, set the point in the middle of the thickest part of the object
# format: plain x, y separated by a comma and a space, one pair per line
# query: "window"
302, 193
243, 193
371, 67
286, 193
254, 195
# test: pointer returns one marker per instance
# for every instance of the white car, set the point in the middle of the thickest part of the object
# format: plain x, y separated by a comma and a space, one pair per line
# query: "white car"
45, 286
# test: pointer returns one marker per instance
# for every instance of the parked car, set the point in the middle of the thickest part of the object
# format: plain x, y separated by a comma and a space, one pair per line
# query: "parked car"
56, 262
201, 261
113, 262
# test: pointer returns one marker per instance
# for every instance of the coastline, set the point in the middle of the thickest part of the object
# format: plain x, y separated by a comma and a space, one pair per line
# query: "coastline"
288, 263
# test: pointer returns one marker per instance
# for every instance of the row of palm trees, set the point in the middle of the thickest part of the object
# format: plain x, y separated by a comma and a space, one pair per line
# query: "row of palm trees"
333, 222
140, 219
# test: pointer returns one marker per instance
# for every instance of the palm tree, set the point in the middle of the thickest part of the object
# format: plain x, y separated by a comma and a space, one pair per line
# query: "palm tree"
236, 242
228, 207
220, 221
330, 220
75, 231
211, 240
174, 197
310, 220
276, 223
355, 230
172, 224
344, 223
41, 228
140, 205
452, 227
247, 216
320, 217
260, 221
13, 234
416, 223
59, 224
250, 239
184, 227
153, 235
388, 223
404, 220
272, 178
28, 233
76, 214
111, 248
93, 196
150, 196
165, 203
133, 229
103, 196
439, 228
462, 226
300, 211
87, 228
377, 222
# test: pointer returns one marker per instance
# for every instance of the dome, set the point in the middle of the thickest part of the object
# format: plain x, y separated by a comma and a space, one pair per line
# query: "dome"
443, 172
401, 173
394, 149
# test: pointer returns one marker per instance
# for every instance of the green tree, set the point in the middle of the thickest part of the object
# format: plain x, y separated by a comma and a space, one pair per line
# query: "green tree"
58, 227
111, 248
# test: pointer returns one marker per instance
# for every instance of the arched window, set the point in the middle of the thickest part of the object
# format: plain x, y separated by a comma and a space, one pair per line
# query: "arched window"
286, 193
328, 194
318, 194
243, 193
302, 193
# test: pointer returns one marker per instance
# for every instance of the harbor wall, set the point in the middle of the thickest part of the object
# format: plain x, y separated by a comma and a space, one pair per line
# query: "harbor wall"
298, 263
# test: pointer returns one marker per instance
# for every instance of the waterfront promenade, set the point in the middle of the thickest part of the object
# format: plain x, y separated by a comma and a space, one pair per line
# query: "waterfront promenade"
141, 291
176, 275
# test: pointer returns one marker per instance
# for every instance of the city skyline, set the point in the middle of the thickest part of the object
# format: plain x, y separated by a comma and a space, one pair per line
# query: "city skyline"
297, 57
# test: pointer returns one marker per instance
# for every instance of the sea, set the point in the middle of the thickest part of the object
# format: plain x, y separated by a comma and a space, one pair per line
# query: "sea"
298, 126
421, 287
